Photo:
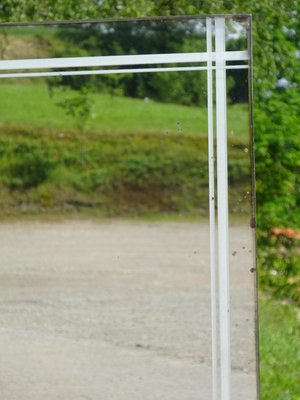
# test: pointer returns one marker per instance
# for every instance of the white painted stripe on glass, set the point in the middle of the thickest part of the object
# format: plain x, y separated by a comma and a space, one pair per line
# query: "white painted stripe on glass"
212, 233
111, 71
108, 61
222, 186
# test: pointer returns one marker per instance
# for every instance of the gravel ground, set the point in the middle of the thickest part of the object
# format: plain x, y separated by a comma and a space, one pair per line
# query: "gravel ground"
117, 310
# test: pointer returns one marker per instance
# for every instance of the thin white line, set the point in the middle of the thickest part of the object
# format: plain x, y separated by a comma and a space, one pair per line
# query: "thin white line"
108, 61
212, 233
222, 185
112, 71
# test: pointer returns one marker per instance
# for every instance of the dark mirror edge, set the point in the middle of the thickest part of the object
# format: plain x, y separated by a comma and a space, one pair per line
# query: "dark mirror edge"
120, 20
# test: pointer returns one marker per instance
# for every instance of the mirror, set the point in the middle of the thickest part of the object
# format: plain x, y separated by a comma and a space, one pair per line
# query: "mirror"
113, 219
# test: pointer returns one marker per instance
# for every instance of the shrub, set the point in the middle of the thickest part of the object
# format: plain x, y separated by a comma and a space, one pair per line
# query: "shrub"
279, 261
28, 166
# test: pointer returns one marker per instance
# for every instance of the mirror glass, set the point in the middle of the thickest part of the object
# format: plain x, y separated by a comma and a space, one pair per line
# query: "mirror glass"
105, 267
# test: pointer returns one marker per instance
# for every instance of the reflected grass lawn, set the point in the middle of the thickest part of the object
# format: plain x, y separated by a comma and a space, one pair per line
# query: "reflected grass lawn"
29, 104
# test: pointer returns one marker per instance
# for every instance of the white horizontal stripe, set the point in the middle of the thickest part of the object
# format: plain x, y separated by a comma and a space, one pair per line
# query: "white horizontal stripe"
105, 61
112, 71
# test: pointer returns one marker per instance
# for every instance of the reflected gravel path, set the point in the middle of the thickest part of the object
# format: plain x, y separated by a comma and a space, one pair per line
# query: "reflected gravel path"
116, 310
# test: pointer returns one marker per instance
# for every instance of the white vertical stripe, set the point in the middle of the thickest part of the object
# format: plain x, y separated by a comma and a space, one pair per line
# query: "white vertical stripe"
212, 233
222, 186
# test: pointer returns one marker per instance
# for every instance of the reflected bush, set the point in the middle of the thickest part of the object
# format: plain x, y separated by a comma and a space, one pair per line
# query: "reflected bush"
27, 166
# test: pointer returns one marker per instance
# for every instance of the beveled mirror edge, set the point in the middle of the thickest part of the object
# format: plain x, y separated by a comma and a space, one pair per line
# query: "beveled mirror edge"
120, 20
253, 203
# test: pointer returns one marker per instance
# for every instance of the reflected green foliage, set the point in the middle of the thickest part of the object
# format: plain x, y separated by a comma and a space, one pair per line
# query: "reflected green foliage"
24, 165
136, 174
114, 155
159, 37
79, 107
276, 40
